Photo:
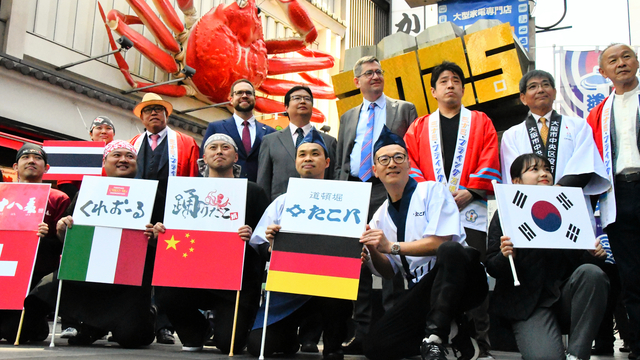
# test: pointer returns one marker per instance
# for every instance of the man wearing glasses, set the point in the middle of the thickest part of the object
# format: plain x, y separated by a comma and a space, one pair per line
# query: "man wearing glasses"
277, 157
243, 128
359, 129
417, 232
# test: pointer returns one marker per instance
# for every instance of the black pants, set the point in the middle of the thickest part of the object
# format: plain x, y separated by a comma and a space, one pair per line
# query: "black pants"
282, 336
183, 306
456, 283
624, 237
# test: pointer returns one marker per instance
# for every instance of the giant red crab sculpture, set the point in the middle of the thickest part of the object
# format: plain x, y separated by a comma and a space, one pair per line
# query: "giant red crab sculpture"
224, 45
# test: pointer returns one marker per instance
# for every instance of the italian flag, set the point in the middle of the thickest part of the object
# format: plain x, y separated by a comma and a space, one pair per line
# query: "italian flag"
103, 255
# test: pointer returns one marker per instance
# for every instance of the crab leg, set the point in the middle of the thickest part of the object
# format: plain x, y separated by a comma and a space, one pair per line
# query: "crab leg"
303, 25
169, 90
189, 11
277, 87
153, 23
169, 15
312, 60
268, 106
116, 21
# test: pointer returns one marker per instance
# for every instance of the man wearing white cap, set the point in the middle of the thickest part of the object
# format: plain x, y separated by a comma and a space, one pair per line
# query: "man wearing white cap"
182, 305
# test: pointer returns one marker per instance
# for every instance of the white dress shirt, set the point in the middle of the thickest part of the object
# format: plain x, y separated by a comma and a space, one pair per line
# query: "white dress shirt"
252, 127
625, 111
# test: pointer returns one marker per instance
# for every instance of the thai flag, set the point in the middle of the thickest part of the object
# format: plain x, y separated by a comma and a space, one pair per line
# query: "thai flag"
71, 160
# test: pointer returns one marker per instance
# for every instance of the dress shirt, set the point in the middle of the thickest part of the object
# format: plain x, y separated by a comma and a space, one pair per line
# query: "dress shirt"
625, 112
162, 133
294, 135
252, 127
379, 120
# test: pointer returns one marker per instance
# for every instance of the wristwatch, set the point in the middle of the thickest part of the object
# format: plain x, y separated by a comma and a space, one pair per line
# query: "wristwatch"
395, 249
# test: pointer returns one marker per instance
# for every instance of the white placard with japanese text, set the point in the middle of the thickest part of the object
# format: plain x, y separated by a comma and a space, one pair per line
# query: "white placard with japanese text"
207, 204
326, 207
115, 202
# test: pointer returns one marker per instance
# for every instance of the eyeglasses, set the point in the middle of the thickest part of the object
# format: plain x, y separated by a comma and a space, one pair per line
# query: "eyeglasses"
369, 73
149, 109
300, 98
243, 92
535, 86
385, 160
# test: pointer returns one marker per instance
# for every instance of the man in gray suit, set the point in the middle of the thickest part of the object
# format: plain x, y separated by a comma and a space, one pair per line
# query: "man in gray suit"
276, 163
360, 127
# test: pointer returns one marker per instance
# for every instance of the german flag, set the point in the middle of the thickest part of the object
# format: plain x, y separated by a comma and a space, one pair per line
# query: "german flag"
317, 265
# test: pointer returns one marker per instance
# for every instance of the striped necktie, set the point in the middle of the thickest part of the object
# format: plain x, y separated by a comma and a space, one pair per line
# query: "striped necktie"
300, 137
365, 156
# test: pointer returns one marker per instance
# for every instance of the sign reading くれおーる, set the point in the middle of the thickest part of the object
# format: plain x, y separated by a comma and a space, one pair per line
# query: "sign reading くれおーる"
22, 205
545, 217
115, 202
211, 204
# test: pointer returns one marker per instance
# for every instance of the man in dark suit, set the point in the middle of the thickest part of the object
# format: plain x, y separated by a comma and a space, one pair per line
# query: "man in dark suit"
360, 127
243, 128
278, 150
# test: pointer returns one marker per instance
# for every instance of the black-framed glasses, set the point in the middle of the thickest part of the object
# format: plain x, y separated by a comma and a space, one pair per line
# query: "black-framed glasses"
149, 109
243, 92
369, 73
300, 98
398, 158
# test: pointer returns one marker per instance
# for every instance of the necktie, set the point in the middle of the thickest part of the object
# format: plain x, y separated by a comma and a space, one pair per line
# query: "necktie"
365, 156
300, 133
154, 141
544, 130
246, 137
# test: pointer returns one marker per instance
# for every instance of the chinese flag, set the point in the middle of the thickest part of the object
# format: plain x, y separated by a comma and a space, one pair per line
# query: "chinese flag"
199, 259
17, 256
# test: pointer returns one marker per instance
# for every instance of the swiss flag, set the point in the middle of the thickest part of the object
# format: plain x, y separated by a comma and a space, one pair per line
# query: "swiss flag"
199, 259
17, 256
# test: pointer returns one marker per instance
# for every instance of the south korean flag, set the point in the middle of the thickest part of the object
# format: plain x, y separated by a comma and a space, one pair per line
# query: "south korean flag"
545, 217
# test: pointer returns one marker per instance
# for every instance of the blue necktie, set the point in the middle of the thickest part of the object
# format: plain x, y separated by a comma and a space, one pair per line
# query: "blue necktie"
365, 156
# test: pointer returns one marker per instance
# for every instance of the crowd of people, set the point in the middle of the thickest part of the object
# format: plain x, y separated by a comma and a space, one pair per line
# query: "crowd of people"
429, 235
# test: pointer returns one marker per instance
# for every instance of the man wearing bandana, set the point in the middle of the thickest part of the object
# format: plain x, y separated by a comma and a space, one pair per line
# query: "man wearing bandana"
417, 231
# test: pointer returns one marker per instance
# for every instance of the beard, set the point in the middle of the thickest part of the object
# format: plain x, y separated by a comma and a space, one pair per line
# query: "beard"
244, 109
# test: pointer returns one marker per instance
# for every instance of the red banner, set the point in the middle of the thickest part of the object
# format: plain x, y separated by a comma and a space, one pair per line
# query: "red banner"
22, 206
17, 254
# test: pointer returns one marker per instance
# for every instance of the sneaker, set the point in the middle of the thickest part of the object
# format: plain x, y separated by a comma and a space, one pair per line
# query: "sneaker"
464, 344
68, 332
190, 348
433, 351
485, 355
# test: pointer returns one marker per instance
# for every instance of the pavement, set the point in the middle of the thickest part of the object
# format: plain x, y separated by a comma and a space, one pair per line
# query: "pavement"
104, 350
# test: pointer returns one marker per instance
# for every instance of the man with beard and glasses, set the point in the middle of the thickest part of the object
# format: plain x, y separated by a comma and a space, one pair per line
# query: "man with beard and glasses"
243, 128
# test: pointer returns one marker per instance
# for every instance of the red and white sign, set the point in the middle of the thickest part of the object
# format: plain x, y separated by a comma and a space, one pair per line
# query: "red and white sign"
17, 256
22, 206
118, 190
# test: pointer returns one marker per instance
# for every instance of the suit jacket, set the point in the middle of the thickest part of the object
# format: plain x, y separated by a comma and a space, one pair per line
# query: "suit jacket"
187, 154
277, 161
400, 114
248, 162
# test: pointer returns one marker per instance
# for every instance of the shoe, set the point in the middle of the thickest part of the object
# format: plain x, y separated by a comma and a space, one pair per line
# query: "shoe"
485, 355
598, 350
633, 355
190, 348
463, 343
68, 332
309, 348
433, 351
354, 347
165, 336
625, 348
84, 338
337, 355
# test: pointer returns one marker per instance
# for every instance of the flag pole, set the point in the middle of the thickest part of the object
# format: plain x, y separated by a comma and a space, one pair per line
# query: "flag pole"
235, 322
55, 317
19, 329
264, 326
516, 282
